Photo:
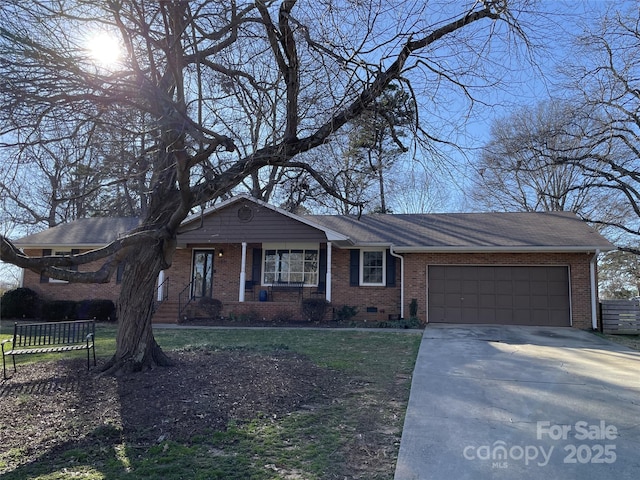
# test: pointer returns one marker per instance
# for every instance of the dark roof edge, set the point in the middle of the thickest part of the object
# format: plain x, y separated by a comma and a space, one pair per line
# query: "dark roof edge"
506, 249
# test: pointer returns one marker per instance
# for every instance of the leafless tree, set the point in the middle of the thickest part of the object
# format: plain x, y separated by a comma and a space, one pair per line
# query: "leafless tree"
606, 82
522, 167
225, 90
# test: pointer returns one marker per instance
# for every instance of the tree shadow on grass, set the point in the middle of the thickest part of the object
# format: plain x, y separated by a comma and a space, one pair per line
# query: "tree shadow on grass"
59, 419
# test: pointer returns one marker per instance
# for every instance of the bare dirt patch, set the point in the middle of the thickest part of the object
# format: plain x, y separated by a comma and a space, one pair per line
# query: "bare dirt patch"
57, 405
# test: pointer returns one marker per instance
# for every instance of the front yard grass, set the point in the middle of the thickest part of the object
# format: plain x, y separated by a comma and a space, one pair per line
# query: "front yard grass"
355, 435
629, 341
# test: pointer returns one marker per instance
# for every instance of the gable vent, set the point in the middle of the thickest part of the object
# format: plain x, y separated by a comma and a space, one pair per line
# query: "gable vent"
245, 213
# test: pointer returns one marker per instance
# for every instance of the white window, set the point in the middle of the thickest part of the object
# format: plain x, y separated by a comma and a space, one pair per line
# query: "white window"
372, 267
62, 253
289, 263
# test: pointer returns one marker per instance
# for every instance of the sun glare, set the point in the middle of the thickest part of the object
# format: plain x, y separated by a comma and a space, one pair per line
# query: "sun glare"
104, 49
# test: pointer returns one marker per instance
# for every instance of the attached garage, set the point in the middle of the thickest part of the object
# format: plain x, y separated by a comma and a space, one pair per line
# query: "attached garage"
513, 295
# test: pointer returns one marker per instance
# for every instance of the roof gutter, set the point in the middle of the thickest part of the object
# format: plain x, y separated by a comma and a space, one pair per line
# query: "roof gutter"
401, 279
594, 290
62, 246
503, 249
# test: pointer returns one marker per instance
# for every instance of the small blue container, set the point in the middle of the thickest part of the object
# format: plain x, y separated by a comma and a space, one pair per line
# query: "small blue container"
264, 295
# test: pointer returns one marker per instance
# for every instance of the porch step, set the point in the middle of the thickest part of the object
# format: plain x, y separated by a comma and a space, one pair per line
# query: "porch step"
167, 313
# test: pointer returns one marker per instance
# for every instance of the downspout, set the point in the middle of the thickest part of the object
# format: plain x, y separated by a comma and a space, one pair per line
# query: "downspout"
327, 281
401, 279
594, 291
243, 272
159, 293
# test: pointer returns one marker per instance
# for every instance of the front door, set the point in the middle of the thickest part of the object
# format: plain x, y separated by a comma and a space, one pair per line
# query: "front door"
202, 274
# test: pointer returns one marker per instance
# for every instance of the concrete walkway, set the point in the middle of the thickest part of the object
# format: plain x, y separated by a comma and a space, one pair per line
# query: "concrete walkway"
492, 402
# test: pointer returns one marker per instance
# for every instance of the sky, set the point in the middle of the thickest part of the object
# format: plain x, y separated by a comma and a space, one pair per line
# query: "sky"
534, 78
531, 76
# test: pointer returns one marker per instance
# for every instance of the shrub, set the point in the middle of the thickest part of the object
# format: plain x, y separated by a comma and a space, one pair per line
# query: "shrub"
100, 310
346, 313
20, 303
402, 323
211, 306
314, 309
413, 308
283, 316
59, 310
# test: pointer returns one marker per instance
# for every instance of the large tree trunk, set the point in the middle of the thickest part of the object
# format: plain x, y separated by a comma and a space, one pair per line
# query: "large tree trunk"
136, 348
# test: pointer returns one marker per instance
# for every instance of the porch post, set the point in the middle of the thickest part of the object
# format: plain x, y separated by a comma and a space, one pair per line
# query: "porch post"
328, 279
243, 273
159, 296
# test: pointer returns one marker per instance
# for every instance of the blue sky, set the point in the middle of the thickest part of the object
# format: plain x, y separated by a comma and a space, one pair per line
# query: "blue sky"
531, 77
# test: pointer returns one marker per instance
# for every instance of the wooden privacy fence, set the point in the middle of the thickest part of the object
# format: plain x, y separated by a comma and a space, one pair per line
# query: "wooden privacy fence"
620, 316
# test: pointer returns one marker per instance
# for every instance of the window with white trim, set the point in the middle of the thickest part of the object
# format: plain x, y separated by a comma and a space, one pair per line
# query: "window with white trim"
62, 253
372, 267
286, 263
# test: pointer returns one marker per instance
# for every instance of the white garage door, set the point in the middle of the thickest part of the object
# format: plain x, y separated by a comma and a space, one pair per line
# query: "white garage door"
509, 295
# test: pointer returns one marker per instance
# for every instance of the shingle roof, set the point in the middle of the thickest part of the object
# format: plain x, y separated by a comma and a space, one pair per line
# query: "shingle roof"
95, 231
549, 231
471, 231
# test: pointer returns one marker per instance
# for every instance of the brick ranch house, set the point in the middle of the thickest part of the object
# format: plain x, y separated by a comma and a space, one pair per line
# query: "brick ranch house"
260, 261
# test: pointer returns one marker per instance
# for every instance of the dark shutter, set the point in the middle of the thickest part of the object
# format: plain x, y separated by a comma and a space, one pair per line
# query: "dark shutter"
46, 252
256, 266
322, 271
391, 269
354, 268
119, 273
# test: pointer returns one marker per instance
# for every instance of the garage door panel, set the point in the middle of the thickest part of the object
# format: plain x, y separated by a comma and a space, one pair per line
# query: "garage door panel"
453, 285
519, 273
517, 295
470, 301
522, 301
504, 316
539, 288
558, 287
438, 314
502, 273
504, 286
453, 300
539, 302
486, 301
485, 316
437, 299
521, 287
503, 301
469, 286
522, 317
486, 274
557, 316
487, 287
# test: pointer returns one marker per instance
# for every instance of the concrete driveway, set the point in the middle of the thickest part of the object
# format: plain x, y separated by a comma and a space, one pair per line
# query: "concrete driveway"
494, 402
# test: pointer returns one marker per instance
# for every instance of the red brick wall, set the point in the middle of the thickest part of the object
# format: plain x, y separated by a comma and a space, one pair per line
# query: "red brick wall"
74, 291
385, 299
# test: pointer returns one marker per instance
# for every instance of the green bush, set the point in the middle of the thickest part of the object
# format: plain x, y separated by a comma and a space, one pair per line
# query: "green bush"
59, 310
413, 308
406, 323
212, 307
20, 303
283, 316
314, 309
346, 313
98, 309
